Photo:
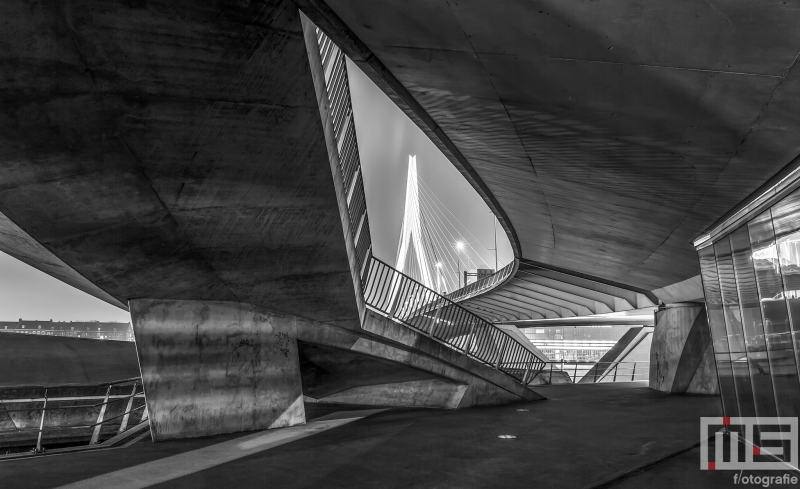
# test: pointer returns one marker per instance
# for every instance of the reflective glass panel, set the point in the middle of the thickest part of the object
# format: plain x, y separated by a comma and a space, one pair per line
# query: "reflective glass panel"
775, 314
752, 324
733, 324
719, 334
786, 221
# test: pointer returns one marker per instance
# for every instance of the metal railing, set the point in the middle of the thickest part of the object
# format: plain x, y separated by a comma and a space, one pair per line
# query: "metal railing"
481, 285
385, 289
597, 372
334, 68
403, 299
50, 408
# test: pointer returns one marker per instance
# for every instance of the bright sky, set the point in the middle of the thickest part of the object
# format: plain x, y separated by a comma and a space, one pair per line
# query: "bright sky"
386, 137
27, 293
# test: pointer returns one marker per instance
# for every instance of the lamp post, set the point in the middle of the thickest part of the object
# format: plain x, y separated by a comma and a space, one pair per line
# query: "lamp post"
439, 277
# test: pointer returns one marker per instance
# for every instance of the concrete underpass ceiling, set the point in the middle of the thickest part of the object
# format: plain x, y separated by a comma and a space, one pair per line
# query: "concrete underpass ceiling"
610, 134
537, 292
174, 151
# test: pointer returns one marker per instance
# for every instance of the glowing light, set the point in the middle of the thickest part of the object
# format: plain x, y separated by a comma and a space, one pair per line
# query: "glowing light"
460, 245
439, 265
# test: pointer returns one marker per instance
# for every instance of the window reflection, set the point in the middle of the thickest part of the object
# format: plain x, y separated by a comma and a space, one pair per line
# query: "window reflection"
719, 334
775, 313
740, 369
751, 280
752, 325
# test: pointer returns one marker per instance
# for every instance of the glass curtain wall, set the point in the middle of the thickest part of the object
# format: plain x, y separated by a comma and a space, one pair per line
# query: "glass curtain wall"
751, 279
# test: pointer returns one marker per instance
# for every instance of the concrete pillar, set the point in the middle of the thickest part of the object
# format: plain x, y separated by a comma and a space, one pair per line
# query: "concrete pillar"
216, 367
681, 355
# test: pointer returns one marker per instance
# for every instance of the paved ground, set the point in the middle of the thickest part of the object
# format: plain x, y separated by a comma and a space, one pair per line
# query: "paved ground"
584, 436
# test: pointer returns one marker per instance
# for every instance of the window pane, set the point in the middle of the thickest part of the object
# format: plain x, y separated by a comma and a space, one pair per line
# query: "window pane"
757, 356
786, 220
719, 335
733, 324
775, 314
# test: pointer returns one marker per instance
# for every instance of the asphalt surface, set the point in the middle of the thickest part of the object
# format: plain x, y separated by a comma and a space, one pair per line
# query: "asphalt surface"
584, 436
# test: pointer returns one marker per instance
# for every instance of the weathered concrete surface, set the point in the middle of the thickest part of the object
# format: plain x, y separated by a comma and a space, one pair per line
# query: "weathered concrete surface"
327, 370
425, 393
417, 393
56, 360
690, 290
216, 367
336, 359
172, 150
421, 350
605, 137
681, 355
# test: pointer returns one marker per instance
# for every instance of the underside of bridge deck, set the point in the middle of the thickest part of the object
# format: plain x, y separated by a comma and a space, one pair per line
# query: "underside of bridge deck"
605, 137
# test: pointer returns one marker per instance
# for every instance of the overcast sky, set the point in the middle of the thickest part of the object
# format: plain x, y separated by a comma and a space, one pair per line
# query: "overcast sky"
386, 137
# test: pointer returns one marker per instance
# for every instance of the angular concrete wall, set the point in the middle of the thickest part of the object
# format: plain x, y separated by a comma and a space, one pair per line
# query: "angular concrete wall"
424, 393
681, 356
56, 360
216, 367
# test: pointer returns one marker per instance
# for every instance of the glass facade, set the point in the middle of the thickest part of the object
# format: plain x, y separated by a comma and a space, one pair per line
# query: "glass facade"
751, 279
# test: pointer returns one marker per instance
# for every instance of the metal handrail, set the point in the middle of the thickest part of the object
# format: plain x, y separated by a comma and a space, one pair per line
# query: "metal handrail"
481, 285
337, 86
101, 419
613, 372
65, 386
403, 299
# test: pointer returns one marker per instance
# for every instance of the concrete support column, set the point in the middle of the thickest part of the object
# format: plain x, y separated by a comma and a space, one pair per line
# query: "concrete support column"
216, 367
681, 354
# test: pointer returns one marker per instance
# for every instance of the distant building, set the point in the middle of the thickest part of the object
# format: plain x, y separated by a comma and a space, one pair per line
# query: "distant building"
78, 329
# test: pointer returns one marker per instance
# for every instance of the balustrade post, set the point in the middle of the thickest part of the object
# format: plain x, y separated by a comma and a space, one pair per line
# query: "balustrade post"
615, 372
525, 377
128, 409
396, 300
435, 320
575, 376
550, 380
501, 354
99, 424
471, 338
38, 448
633, 375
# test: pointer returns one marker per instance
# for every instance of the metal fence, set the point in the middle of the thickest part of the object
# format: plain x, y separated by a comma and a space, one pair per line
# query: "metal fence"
597, 372
482, 285
71, 412
337, 86
403, 299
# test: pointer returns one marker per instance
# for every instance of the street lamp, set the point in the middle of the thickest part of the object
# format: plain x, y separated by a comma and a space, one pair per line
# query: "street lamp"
439, 277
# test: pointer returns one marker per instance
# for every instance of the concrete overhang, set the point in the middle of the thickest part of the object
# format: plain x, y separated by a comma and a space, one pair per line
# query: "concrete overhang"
605, 137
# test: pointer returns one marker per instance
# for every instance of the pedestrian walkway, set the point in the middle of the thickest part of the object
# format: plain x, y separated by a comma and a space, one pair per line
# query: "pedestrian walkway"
584, 436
